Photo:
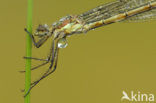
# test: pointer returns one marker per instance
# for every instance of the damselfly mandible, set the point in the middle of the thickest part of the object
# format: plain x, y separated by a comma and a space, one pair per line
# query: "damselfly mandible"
117, 11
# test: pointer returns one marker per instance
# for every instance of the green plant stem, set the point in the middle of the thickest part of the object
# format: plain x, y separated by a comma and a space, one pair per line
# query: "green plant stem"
28, 51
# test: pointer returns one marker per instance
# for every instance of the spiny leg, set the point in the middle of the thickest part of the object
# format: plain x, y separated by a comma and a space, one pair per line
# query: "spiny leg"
53, 53
35, 58
36, 82
45, 75
38, 44
51, 65
47, 61
54, 59
36, 67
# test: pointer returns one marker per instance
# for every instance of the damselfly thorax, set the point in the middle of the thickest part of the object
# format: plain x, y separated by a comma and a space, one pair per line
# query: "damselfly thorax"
117, 11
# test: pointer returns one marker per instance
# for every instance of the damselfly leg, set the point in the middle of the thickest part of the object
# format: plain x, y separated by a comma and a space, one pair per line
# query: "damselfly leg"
35, 58
53, 64
36, 66
52, 58
40, 42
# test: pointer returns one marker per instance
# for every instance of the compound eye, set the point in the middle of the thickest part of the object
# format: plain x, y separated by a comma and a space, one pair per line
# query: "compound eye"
43, 28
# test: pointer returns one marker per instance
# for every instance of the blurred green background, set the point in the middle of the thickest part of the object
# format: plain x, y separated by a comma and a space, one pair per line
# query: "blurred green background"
95, 67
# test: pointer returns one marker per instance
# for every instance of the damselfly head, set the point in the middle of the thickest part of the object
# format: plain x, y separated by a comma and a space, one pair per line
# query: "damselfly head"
42, 30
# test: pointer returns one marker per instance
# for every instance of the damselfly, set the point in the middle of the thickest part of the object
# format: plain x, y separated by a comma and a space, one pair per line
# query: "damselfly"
117, 11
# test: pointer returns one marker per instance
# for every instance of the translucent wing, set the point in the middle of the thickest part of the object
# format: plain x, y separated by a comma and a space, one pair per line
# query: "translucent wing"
142, 17
113, 8
102, 12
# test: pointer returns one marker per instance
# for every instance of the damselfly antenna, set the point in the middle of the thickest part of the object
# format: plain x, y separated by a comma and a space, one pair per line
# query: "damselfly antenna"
117, 11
